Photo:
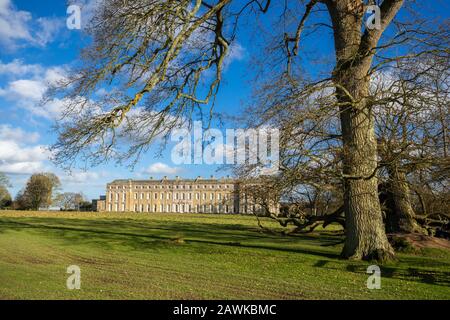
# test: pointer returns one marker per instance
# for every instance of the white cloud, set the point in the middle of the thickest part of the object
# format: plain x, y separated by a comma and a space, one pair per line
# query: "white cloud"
21, 159
13, 24
77, 177
11, 151
18, 68
237, 52
161, 168
17, 27
48, 29
21, 167
28, 86
54, 74
21, 155
18, 152
17, 135
26, 89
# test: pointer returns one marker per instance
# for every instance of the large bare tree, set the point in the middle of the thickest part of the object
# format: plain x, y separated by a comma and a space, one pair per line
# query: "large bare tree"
412, 117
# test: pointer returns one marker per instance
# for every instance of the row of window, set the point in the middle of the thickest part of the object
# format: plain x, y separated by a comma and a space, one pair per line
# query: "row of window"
182, 208
176, 196
212, 186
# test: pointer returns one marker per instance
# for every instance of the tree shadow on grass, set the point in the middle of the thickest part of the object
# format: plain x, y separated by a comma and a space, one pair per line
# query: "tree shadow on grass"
414, 271
435, 277
321, 263
159, 235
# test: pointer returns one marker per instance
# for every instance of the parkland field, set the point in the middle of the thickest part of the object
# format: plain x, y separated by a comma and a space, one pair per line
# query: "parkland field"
195, 256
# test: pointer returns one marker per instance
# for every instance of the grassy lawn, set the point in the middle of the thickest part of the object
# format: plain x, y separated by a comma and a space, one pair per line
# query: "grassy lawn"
193, 256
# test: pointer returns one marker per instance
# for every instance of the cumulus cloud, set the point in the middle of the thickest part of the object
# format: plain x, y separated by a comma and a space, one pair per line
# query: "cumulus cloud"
17, 135
28, 84
79, 177
18, 155
17, 27
13, 24
48, 28
161, 168
18, 68
21, 167
21, 155
26, 89
21, 159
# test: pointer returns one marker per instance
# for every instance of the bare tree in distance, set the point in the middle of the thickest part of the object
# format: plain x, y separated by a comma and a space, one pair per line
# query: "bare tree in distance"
4, 181
69, 200
5, 196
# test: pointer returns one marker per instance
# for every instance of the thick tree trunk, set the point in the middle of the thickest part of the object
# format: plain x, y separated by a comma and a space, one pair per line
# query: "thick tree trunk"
401, 217
365, 232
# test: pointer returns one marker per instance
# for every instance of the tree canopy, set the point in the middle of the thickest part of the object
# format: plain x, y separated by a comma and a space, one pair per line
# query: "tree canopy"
39, 191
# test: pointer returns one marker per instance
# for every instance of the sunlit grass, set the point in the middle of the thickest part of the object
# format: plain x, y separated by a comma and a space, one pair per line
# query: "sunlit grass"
194, 256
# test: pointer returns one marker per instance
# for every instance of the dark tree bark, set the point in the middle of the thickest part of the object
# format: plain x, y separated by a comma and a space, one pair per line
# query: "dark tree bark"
401, 217
365, 231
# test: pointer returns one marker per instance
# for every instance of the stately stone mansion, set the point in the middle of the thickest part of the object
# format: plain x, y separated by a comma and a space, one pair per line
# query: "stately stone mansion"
176, 195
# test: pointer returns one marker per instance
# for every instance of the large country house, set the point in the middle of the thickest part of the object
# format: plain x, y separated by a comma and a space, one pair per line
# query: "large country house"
176, 195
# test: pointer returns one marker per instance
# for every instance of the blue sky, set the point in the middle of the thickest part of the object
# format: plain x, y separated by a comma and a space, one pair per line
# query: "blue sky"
37, 48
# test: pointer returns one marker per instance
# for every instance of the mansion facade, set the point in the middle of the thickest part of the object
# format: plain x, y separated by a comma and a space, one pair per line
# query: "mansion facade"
176, 195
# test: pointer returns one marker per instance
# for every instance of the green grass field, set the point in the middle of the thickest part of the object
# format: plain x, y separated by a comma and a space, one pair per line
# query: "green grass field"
193, 256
